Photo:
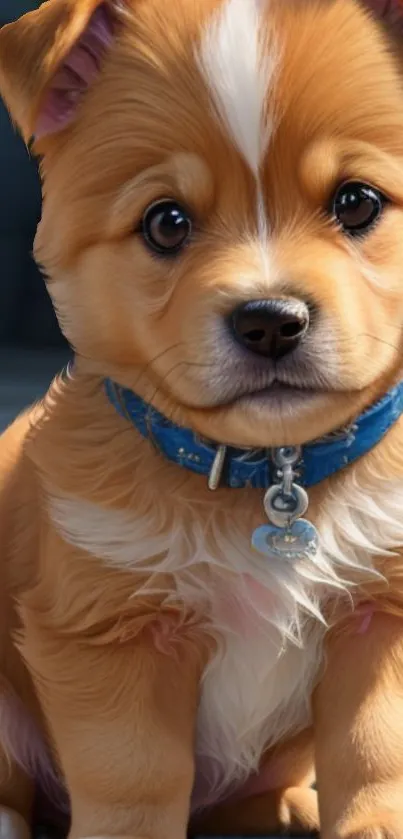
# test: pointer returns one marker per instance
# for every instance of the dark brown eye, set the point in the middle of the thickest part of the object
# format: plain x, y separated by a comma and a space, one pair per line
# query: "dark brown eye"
357, 206
166, 227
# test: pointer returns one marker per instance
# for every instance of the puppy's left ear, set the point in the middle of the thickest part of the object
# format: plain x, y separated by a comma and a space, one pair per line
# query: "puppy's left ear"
50, 57
390, 11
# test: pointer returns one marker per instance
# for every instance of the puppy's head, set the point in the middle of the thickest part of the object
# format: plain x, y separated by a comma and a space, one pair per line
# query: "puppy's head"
223, 202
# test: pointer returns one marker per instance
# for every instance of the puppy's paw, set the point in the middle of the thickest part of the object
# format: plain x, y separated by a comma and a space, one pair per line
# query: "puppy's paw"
12, 825
298, 810
375, 833
385, 825
292, 811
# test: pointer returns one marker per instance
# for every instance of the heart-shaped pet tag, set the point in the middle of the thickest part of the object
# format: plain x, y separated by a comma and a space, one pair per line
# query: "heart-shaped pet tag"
297, 541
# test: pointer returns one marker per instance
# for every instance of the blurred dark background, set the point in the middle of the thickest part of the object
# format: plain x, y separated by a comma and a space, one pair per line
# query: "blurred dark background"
32, 348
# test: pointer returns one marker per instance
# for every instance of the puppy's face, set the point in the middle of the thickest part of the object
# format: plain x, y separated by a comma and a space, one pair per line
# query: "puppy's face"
223, 208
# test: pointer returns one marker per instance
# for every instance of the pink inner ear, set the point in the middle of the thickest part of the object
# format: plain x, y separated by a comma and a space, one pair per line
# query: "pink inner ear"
389, 10
79, 69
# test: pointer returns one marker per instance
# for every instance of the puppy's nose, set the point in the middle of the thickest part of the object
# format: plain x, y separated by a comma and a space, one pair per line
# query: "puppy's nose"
271, 328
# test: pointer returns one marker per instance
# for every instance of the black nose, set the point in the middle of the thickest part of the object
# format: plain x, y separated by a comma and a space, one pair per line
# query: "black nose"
271, 328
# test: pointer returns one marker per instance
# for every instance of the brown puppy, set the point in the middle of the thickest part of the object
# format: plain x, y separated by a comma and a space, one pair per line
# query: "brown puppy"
221, 230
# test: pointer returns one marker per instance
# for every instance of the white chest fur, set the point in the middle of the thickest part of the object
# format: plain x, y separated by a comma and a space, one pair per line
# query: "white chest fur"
266, 614
256, 690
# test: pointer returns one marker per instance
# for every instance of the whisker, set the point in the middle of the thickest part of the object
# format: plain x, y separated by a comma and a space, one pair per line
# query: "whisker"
381, 341
173, 369
349, 341
145, 368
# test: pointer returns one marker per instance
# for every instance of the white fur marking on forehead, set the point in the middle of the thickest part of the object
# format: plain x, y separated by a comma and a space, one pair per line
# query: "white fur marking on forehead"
238, 73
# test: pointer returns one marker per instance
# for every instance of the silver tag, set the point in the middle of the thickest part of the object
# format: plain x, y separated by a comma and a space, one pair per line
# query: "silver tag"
297, 541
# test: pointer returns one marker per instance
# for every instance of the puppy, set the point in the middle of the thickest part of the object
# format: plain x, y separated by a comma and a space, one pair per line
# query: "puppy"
222, 237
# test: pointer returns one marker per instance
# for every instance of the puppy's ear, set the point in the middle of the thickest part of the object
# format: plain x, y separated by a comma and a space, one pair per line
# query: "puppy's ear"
49, 58
390, 11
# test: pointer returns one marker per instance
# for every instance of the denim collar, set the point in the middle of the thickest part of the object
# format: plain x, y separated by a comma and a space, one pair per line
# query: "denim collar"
238, 468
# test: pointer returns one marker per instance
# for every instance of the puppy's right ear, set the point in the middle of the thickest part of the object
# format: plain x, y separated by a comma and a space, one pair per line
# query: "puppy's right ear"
50, 57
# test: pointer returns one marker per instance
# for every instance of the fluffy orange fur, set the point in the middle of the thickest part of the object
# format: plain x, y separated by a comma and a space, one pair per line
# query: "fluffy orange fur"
108, 660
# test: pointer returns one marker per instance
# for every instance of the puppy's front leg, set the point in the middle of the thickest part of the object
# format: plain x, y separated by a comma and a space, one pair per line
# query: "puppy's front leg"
358, 711
123, 719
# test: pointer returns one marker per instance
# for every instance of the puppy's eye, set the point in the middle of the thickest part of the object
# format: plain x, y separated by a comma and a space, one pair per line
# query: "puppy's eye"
357, 206
166, 227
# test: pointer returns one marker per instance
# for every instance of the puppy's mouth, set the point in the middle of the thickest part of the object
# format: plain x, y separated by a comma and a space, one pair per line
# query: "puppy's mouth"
277, 394
279, 390
234, 377
235, 385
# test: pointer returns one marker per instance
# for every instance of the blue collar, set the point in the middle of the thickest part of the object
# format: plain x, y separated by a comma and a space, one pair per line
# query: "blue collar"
239, 468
